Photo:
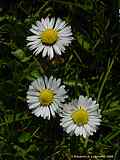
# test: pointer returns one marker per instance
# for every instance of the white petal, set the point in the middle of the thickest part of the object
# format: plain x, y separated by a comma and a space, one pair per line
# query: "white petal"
45, 50
89, 129
40, 26
32, 99
44, 23
35, 28
70, 128
52, 111
50, 82
33, 93
54, 107
32, 38
84, 132
34, 31
77, 131
80, 130
38, 50
34, 105
60, 24
46, 81
57, 50
41, 83
43, 111
59, 82
48, 113
36, 112
51, 23
67, 124
34, 44
36, 85
51, 54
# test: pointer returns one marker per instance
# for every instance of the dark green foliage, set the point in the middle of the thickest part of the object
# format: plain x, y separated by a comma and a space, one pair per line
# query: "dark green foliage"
90, 67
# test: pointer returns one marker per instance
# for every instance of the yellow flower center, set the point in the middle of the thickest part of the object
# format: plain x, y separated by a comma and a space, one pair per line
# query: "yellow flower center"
46, 97
80, 116
49, 36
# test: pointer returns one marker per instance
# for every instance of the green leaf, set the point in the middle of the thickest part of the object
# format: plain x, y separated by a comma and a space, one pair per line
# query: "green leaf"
88, 5
33, 75
24, 137
26, 59
20, 54
84, 42
32, 148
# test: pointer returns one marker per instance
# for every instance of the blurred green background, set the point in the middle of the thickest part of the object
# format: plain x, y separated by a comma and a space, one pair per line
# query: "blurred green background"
90, 66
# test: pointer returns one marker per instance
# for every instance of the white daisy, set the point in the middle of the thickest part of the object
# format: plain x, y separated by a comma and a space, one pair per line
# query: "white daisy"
81, 117
45, 96
49, 36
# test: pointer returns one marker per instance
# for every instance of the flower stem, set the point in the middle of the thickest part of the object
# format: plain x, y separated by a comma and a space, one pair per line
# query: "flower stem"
86, 142
105, 77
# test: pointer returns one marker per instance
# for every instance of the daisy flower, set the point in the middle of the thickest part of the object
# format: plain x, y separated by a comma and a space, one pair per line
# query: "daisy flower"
50, 36
81, 117
45, 96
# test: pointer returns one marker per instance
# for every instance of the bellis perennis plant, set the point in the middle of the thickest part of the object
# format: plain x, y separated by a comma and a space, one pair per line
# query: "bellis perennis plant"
50, 36
45, 96
81, 117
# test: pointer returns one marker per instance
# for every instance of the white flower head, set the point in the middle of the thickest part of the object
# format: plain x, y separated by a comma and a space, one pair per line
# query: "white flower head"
45, 96
81, 117
50, 36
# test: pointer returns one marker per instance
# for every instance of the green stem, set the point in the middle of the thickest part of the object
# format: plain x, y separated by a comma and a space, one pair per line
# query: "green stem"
105, 78
9, 122
40, 67
86, 142
38, 12
73, 145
